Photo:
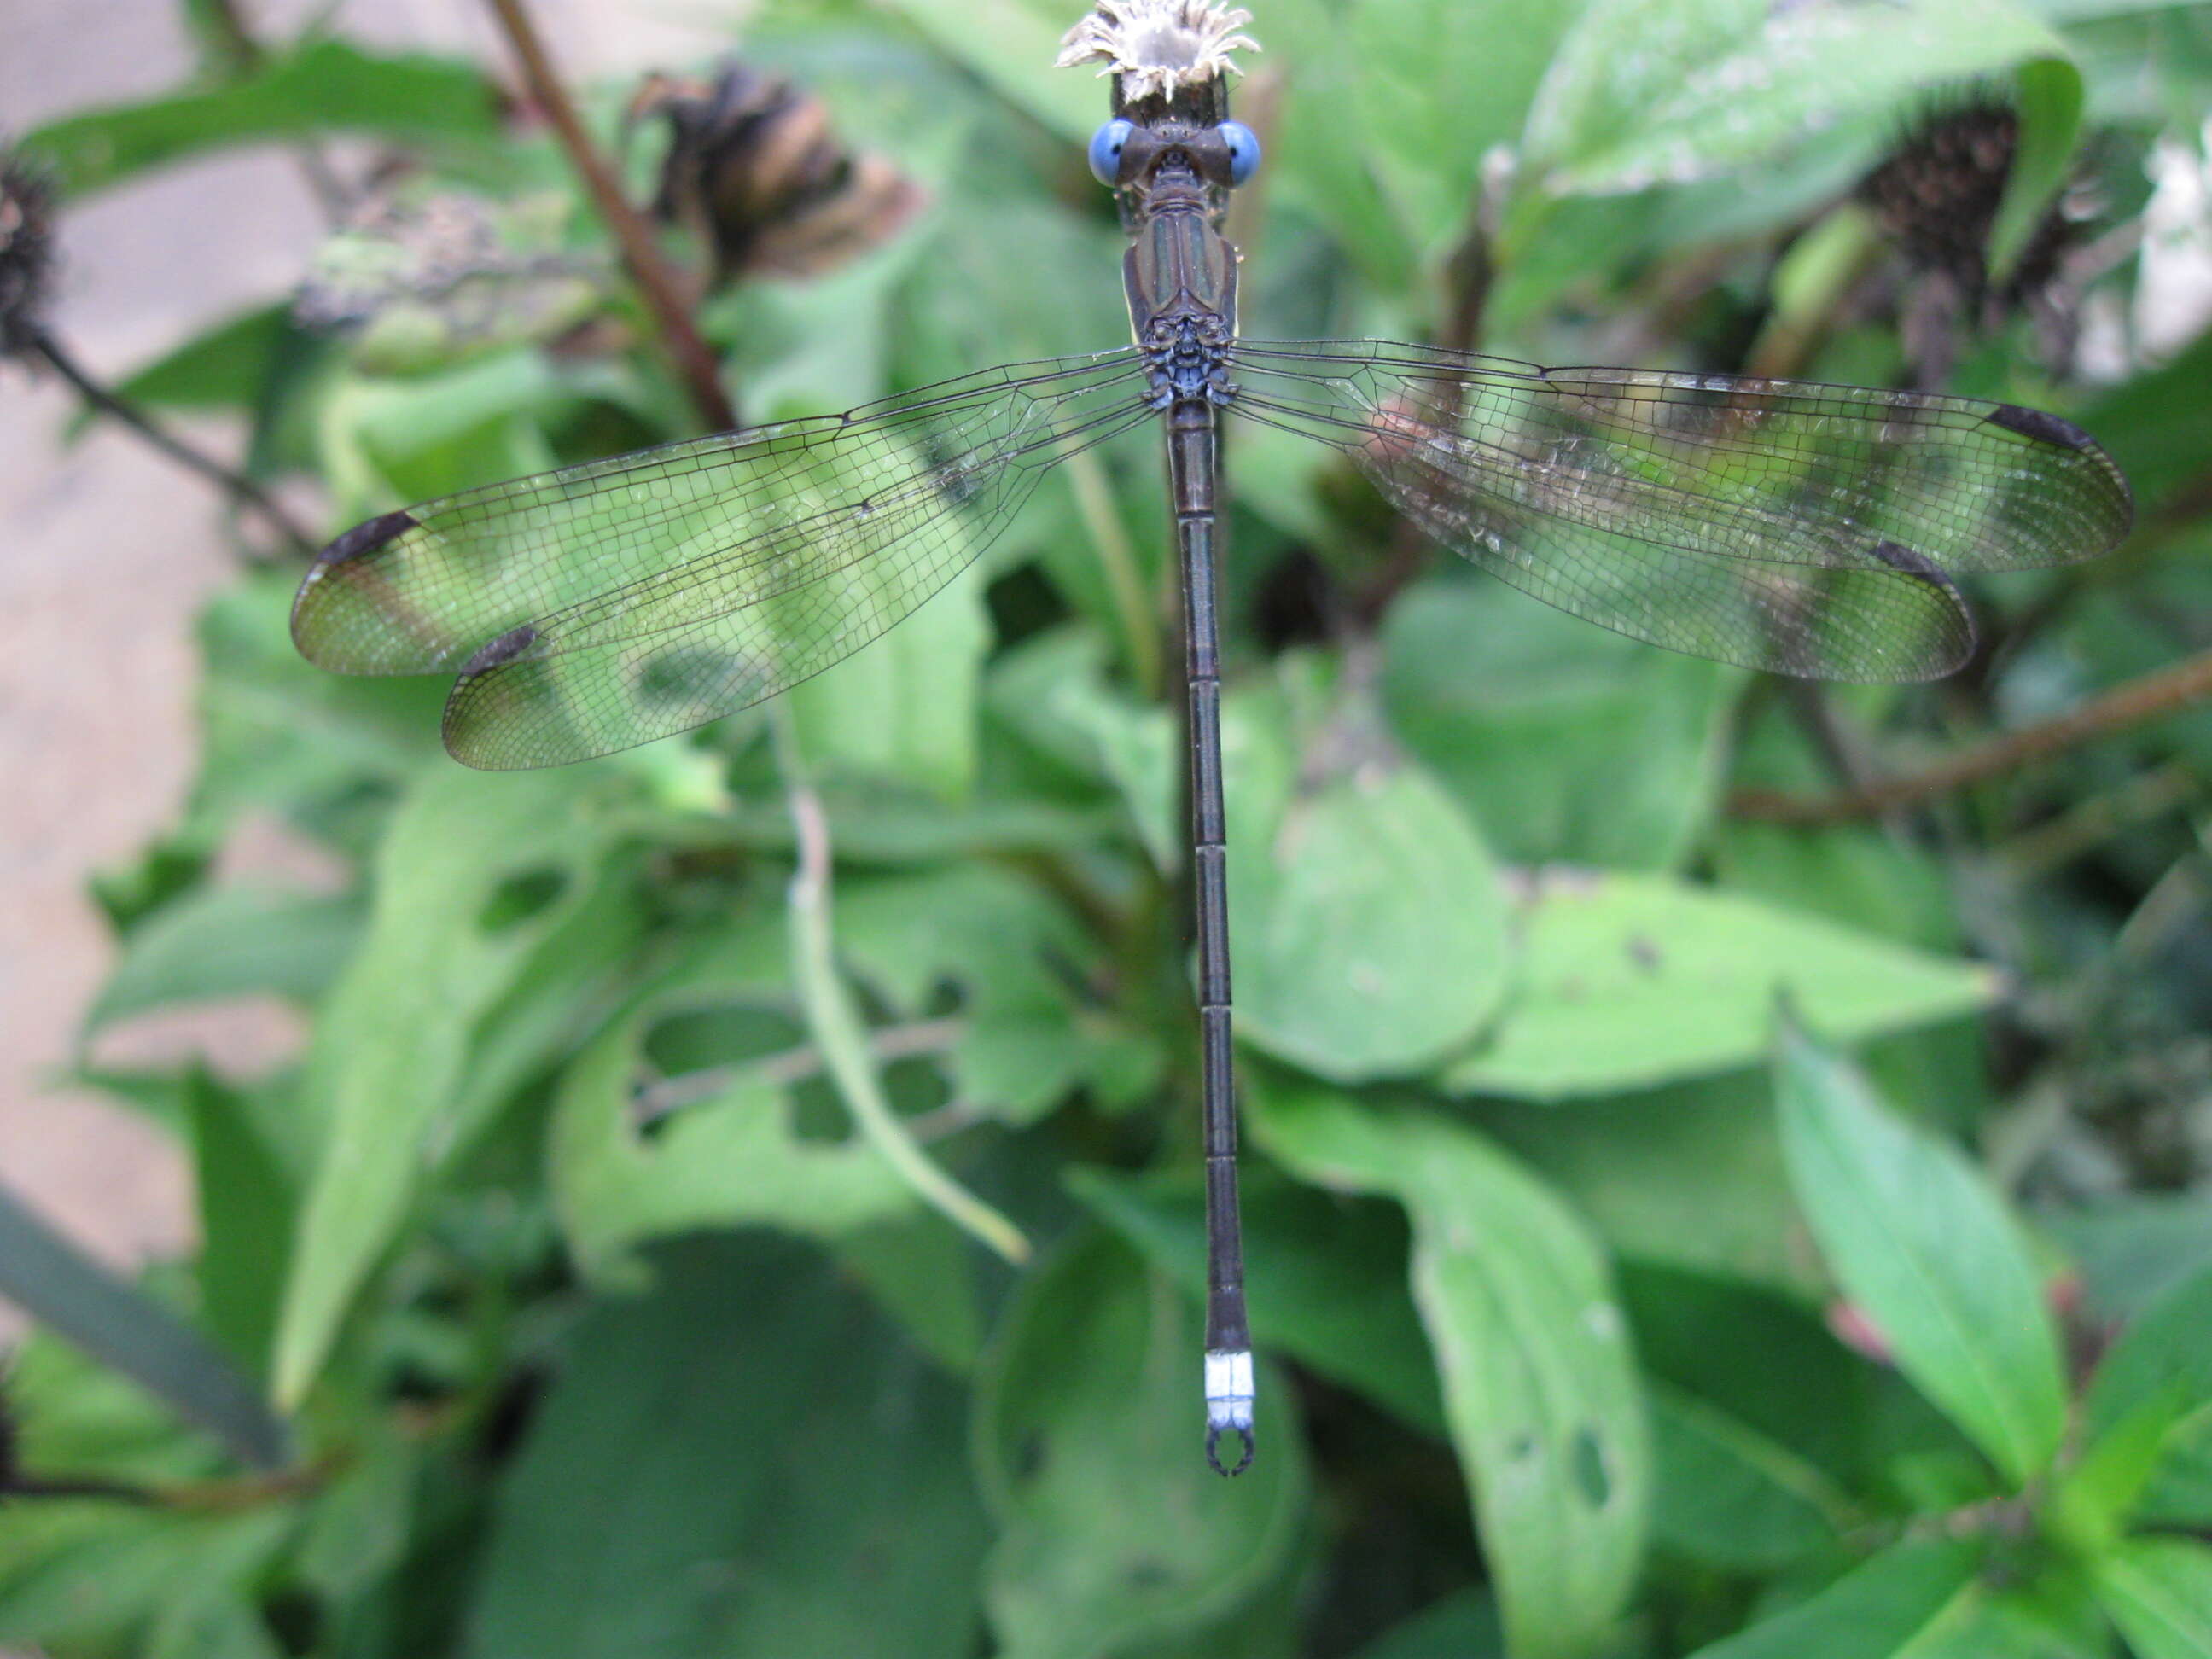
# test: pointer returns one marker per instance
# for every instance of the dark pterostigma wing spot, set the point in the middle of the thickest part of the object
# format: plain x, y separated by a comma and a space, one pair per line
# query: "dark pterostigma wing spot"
367, 538
1907, 561
504, 649
2044, 428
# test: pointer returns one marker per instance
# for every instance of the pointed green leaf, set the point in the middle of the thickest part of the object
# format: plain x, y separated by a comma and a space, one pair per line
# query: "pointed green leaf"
227, 942
1926, 1250
1540, 1386
2157, 1379
475, 872
2158, 1592
1413, 64
1882, 1610
1630, 980
1729, 1496
327, 86
246, 1215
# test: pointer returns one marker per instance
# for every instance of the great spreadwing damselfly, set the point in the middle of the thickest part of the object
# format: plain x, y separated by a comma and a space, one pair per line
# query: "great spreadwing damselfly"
1801, 529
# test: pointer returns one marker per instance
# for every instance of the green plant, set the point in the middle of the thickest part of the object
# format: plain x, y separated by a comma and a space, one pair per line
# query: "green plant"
1612, 1314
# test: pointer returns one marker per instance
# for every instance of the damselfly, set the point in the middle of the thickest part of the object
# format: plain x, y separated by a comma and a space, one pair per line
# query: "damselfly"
1803, 529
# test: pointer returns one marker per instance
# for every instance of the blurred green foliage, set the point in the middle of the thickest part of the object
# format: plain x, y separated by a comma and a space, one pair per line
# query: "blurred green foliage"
1607, 1313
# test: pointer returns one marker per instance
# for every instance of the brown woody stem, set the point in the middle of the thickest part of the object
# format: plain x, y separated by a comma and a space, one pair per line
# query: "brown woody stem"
236, 485
2165, 692
663, 296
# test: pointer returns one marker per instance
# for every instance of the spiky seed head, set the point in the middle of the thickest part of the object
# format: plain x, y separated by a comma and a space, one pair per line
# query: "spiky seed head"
1158, 46
27, 254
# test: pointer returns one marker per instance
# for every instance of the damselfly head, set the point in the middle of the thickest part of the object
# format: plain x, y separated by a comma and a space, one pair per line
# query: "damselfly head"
1126, 154
1158, 47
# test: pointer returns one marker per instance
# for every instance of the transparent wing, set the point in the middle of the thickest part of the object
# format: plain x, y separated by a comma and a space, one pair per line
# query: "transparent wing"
603, 606
1804, 529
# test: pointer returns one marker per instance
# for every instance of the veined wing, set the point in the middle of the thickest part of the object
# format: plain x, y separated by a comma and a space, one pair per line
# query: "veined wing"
603, 606
1804, 529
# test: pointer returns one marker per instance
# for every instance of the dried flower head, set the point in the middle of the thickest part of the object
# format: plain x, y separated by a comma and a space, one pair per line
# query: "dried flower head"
26, 254
1936, 197
1157, 46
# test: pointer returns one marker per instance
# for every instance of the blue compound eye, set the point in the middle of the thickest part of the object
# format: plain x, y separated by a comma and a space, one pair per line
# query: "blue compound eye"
1243, 150
1106, 147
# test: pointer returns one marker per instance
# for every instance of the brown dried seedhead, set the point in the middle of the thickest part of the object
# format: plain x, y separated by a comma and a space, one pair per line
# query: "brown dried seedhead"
27, 254
755, 173
1936, 197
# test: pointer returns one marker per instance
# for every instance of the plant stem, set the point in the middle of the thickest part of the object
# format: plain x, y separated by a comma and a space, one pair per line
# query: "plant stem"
2165, 692
839, 1032
1094, 504
887, 1042
240, 488
657, 284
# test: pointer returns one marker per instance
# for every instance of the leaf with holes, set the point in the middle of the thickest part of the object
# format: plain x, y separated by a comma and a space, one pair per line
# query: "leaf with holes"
1630, 980
474, 873
1531, 1345
1114, 1536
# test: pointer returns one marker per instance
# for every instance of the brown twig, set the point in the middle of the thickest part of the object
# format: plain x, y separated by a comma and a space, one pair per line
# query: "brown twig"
663, 296
236, 485
2165, 692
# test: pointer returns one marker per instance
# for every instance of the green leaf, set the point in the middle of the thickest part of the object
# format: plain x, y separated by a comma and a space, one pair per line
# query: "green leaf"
475, 872
1325, 1275
1630, 980
1728, 1495
246, 1217
2157, 1380
48, 1278
1027, 1039
279, 732
1460, 1626
1765, 1363
1413, 63
226, 367
2158, 1592
1327, 164
2049, 108
1366, 920
1531, 1345
713, 1463
1926, 1250
735, 1153
1114, 1536
1010, 45
228, 942
135, 1582
1567, 742
904, 709
1690, 1174
1645, 92
327, 86
2051, 1615
1884, 1608
2134, 1249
